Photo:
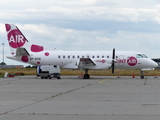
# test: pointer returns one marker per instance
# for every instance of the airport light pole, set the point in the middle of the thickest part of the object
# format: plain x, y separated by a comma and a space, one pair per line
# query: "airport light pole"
3, 52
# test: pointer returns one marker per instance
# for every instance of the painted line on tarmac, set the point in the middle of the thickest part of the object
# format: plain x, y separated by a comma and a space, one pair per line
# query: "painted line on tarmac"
144, 85
102, 81
21, 107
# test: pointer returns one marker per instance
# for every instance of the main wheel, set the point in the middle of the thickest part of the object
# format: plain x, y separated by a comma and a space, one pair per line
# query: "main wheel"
86, 76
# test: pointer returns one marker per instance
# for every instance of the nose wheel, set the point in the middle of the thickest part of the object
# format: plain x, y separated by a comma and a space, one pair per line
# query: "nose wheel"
142, 77
142, 74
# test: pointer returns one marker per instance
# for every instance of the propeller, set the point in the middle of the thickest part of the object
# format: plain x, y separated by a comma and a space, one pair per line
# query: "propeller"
113, 57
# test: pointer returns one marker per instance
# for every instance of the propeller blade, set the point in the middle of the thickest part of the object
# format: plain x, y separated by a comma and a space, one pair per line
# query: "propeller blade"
113, 68
113, 57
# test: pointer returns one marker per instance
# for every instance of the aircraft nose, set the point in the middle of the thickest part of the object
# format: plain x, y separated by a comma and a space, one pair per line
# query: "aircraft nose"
154, 64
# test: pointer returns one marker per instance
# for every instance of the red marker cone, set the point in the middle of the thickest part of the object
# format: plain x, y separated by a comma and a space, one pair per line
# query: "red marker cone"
133, 76
118, 75
155, 76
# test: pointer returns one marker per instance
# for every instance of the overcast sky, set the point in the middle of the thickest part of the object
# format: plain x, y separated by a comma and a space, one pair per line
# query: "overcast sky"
127, 25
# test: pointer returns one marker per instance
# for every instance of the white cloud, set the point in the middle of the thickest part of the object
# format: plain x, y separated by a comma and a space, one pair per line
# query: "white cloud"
102, 40
62, 38
81, 24
81, 10
157, 19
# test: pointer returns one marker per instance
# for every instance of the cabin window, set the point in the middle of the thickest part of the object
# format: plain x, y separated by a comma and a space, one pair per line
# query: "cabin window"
93, 56
63, 56
97, 56
82, 56
68, 56
78, 56
87, 56
107, 56
59, 56
116, 57
102, 56
73, 56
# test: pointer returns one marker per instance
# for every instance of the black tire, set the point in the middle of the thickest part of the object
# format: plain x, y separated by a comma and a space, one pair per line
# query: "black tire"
142, 77
86, 76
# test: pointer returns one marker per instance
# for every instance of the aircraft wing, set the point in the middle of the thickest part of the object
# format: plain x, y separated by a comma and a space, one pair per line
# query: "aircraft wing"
82, 63
86, 62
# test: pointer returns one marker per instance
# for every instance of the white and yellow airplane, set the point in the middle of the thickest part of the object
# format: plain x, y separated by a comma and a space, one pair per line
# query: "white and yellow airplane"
38, 55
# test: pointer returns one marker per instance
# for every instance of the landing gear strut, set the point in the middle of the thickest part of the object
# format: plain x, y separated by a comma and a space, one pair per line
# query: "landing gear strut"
142, 74
86, 75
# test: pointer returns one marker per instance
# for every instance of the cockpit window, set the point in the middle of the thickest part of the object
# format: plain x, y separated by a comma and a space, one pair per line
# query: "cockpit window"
144, 56
141, 56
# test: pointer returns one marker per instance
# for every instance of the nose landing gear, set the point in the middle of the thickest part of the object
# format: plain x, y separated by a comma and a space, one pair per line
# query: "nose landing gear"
142, 74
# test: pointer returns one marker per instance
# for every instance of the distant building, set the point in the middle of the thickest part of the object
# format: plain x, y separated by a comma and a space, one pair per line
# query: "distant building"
11, 66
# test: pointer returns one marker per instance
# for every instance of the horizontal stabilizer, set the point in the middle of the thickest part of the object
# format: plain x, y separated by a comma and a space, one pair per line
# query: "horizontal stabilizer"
22, 52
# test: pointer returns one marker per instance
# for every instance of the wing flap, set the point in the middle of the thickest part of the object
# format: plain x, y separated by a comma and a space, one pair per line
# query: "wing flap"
86, 62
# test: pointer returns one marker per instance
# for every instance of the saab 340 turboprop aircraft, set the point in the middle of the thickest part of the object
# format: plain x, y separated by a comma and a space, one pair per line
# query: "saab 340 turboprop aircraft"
38, 55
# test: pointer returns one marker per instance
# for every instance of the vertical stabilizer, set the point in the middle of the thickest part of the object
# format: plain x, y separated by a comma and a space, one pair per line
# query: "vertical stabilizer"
15, 38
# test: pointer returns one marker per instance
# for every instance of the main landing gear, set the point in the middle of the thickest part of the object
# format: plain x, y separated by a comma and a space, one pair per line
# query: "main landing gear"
86, 75
142, 74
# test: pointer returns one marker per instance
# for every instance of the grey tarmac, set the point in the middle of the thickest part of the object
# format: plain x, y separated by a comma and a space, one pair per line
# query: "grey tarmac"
73, 98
